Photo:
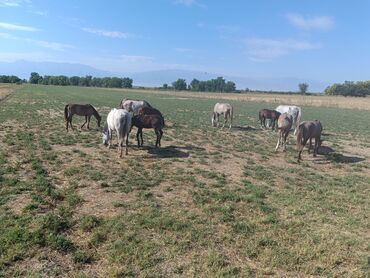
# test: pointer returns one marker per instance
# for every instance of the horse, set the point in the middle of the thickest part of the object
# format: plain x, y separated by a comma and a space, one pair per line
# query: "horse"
222, 108
86, 110
308, 130
264, 114
120, 121
149, 111
293, 110
133, 105
284, 124
148, 121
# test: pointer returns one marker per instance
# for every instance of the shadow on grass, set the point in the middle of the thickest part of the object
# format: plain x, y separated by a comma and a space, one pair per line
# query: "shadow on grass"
169, 152
331, 156
245, 128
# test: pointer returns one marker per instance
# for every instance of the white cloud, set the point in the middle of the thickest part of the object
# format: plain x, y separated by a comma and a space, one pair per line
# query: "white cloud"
135, 58
12, 3
45, 44
30, 56
184, 50
10, 26
110, 34
268, 49
51, 45
324, 23
189, 3
41, 13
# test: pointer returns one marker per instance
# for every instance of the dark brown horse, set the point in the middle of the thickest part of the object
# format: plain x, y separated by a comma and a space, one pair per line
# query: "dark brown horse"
308, 130
148, 121
272, 115
149, 111
86, 110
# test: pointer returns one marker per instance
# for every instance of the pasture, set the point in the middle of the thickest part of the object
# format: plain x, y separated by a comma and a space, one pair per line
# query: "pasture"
208, 203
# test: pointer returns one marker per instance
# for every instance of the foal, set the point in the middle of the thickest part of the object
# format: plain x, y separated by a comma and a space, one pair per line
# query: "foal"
308, 130
86, 110
222, 108
264, 114
284, 125
148, 121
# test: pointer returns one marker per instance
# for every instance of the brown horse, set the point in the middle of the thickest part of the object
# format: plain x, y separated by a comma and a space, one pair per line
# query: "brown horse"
308, 130
284, 125
148, 121
149, 111
86, 110
272, 115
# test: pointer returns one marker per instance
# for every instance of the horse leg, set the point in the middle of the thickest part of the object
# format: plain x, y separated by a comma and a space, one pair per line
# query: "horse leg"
84, 122
278, 142
137, 137
160, 137
310, 146
88, 122
70, 122
127, 135
141, 137
120, 143
157, 140
316, 147
218, 119
285, 137
67, 123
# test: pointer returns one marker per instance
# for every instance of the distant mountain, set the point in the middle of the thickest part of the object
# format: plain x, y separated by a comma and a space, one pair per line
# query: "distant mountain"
157, 78
23, 69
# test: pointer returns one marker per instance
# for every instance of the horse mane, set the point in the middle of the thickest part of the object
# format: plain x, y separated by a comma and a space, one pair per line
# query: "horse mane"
95, 113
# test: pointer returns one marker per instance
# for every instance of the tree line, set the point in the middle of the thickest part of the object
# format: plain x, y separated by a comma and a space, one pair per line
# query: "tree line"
86, 81
349, 88
11, 79
213, 85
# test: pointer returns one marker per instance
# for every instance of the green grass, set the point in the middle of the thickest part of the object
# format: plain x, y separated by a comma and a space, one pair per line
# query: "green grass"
209, 203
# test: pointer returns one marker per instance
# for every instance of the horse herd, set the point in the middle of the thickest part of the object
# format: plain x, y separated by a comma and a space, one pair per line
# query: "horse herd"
141, 114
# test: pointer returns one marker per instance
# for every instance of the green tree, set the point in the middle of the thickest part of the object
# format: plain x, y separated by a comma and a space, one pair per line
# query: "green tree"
179, 84
35, 78
303, 87
127, 82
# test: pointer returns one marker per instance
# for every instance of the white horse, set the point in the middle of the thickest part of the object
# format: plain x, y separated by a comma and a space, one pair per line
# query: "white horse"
293, 110
120, 121
134, 105
222, 108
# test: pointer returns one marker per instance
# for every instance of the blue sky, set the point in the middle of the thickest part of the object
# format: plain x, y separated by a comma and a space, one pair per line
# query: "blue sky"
314, 39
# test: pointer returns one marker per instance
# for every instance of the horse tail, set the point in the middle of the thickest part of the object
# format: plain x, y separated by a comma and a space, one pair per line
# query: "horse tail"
66, 112
122, 131
300, 136
231, 113
299, 116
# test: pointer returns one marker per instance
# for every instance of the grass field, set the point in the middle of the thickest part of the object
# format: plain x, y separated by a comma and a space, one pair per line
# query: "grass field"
209, 203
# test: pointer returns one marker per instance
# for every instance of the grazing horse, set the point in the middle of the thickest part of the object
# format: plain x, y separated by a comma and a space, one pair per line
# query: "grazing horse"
222, 108
86, 110
284, 125
264, 114
293, 110
308, 130
149, 111
120, 121
133, 105
148, 121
